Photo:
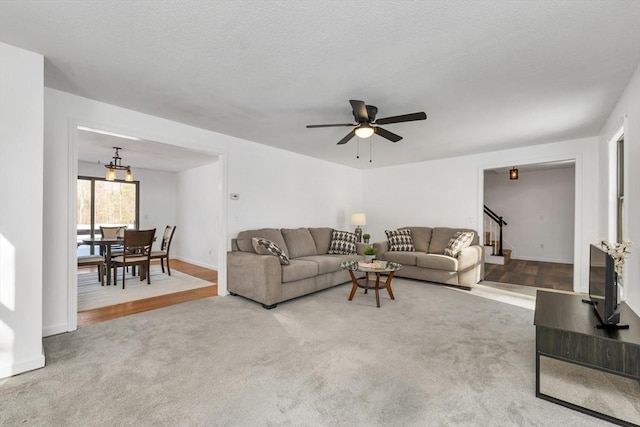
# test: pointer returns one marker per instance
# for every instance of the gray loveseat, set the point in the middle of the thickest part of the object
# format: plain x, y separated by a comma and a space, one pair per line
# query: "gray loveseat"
429, 262
262, 278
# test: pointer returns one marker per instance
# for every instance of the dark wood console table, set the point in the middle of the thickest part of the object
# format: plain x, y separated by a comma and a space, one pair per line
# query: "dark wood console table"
566, 330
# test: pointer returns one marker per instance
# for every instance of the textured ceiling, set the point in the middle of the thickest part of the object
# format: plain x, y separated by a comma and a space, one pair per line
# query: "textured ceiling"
489, 74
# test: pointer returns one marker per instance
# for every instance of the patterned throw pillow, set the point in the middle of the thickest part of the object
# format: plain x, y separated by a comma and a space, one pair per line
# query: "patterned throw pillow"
459, 241
342, 243
400, 240
267, 247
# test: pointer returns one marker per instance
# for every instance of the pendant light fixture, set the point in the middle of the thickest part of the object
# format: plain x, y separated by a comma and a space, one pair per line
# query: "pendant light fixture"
513, 173
116, 164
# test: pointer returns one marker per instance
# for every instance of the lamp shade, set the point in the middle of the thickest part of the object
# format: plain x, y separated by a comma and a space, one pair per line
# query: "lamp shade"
111, 174
358, 219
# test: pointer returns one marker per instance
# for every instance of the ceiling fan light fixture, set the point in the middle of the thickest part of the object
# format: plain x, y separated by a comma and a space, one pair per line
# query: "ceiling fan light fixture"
364, 131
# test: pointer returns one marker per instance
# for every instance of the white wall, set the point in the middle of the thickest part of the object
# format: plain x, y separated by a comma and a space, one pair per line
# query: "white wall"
539, 210
158, 196
627, 114
284, 189
276, 187
450, 192
21, 172
198, 203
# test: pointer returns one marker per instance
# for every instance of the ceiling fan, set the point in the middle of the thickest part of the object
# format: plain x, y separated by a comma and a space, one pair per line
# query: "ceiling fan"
367, 124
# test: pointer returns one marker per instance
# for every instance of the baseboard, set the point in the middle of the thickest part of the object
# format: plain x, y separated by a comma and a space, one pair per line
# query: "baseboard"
60, 328
557, 261
198, 263
19, 367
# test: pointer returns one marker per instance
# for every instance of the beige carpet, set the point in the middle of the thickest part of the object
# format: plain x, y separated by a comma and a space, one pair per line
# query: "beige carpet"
432, 357
93, 295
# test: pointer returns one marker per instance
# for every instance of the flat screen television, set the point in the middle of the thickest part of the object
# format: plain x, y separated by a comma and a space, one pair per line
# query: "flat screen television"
603, 289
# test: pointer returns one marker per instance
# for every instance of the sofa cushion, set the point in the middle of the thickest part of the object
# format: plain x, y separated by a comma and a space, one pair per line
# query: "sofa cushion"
299, 242
322, 238
298, 270
342, 243
404, 258
437, 262
330, 263
421, 237
440, 238
267, 247
273, 234
245, 245
459, 241
400, 240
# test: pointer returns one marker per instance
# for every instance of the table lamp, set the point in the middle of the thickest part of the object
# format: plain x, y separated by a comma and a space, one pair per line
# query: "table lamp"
358, 219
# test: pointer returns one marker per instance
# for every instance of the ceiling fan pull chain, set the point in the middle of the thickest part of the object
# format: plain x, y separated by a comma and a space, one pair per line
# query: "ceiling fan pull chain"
358, 149
370, 145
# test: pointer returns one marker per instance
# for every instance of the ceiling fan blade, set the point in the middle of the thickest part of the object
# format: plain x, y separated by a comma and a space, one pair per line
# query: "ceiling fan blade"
359, 111
403, 118
330, 126
386, 134
347, 138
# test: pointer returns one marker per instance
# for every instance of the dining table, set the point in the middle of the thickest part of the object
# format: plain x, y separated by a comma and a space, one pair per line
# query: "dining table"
106, 244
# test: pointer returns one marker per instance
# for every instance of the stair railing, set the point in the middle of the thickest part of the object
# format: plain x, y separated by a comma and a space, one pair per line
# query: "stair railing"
500, 222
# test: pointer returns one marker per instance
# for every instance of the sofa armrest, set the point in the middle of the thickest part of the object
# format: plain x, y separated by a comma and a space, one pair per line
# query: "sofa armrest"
470, 265
360, 247
382, 247
257, 277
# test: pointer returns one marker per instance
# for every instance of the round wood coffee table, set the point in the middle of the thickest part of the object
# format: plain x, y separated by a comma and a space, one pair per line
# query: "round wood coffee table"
377, 268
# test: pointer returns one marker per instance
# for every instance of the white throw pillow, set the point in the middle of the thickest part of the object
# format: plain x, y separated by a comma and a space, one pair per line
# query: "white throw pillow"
459, 241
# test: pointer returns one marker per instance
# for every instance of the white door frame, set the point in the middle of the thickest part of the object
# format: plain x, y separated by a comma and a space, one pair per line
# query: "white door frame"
72, 267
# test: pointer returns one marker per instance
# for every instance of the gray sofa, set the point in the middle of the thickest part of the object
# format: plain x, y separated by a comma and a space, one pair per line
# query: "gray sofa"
262, 278
429, 262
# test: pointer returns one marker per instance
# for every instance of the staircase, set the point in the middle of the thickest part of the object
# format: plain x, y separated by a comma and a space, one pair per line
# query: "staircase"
503, 259
494, 252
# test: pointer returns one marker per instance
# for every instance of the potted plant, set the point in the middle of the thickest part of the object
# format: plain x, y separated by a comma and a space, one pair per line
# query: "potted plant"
370, 253
366, 238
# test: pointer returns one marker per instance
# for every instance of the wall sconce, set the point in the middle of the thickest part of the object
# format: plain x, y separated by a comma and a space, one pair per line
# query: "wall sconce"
513, 173
358, 219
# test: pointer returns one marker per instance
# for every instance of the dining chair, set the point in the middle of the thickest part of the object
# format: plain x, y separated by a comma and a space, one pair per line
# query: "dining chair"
90, 260
136, 252
113, 232
163, 253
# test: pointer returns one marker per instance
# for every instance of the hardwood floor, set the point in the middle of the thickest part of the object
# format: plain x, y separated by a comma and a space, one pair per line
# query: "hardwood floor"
90, 317
548, 275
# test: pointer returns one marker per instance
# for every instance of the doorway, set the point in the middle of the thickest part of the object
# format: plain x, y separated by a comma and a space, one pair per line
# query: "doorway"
158, 169
537, 202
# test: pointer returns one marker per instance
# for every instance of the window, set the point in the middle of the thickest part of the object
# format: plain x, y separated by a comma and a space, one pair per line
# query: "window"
620, 188
101, 202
